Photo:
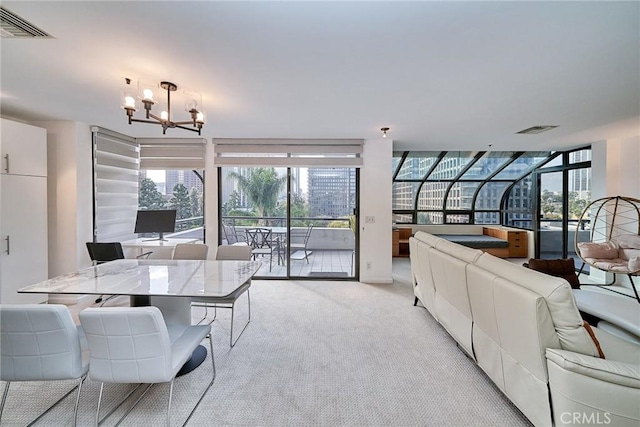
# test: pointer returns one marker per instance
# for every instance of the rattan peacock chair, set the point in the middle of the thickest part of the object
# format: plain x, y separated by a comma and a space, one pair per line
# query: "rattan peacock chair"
614, 237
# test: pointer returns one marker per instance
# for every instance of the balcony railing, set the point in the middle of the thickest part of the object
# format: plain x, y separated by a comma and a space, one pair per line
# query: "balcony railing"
327, 234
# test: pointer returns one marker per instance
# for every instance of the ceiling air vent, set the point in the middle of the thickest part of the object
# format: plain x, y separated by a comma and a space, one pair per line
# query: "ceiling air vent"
537, 129
12, 26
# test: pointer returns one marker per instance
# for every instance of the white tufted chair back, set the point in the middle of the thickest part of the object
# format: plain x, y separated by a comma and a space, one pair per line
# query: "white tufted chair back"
39, 342
128, 344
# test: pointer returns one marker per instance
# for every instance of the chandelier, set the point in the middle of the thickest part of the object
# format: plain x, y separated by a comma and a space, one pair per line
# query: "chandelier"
146, 96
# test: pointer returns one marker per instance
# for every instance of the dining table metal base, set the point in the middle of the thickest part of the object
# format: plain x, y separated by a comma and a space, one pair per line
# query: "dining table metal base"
197, 357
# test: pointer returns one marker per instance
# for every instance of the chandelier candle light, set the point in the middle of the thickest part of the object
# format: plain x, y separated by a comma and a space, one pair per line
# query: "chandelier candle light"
146, 96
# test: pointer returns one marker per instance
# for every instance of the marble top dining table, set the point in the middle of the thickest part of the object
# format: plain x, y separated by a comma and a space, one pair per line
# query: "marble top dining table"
166, 284
150, 277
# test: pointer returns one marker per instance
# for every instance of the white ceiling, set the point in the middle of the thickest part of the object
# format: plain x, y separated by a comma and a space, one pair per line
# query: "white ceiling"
441, 75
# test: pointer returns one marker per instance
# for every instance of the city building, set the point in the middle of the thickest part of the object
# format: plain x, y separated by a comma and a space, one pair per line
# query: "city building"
332, 192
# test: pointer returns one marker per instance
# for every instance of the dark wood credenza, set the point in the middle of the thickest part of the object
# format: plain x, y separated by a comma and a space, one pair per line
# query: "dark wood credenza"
400, 241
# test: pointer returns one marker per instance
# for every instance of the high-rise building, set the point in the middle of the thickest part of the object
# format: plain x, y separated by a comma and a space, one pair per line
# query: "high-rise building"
332, 191
580, 179
185, 177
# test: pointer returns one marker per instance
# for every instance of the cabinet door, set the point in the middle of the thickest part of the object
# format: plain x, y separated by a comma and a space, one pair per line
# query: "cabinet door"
23, 148
23, 219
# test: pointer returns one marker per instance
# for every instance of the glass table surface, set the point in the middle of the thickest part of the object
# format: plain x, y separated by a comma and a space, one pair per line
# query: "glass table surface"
186, 278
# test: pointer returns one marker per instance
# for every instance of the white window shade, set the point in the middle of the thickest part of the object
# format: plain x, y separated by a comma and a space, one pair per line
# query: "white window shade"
289, 152
115, 185
172, 153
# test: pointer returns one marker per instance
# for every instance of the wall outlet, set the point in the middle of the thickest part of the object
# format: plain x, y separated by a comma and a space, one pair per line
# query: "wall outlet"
368, 265
370, 219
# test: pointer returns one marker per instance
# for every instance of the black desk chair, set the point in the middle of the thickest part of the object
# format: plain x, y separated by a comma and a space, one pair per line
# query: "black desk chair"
107, 251
104, 252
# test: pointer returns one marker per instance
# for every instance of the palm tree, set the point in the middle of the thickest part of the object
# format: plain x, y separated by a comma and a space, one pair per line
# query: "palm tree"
261, 187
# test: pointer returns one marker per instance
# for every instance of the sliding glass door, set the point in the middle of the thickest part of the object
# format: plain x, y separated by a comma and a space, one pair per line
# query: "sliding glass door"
298, 220
563, 191
322, 234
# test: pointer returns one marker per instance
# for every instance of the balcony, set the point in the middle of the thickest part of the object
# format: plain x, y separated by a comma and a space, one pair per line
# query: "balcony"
330, 247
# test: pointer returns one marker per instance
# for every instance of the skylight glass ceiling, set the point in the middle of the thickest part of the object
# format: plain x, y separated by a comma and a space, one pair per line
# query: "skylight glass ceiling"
436, 187
416, 164
451, 164
491, 162
523, 165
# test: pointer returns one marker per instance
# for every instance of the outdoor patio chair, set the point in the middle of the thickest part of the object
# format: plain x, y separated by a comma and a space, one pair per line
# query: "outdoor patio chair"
263, 243
298, 239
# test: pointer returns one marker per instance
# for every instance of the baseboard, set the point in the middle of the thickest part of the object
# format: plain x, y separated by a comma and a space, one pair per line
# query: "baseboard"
375, 281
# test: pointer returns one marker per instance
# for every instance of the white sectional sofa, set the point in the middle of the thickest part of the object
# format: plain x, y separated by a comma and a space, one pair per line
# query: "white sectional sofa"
524, 330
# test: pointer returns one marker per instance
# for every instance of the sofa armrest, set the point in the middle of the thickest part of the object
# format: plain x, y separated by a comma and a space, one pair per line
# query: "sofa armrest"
624, 374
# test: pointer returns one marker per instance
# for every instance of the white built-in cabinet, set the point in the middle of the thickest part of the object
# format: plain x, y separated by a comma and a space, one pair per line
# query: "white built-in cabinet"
23, 210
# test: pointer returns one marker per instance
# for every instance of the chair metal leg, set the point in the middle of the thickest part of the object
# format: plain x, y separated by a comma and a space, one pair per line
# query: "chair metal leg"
118, 405
4, 398
99, 400
206, 312
169, 404
581, 268
134, 404
75, 412
213, 377
231, 340
215, 314
231, 333
633, 286
75, 408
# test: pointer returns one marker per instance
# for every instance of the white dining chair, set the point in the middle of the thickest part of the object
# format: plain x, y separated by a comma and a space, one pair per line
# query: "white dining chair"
40, 342
190, 251
134, 345
228, 253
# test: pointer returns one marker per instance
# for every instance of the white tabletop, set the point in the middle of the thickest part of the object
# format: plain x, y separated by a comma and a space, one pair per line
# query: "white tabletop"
174, 278
146, 242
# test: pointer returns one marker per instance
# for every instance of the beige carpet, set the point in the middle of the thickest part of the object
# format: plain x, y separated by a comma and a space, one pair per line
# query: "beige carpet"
316, 353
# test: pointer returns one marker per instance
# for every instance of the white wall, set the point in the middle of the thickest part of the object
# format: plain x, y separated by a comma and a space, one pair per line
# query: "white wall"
615, 171
375, 201
69, 196
615, 167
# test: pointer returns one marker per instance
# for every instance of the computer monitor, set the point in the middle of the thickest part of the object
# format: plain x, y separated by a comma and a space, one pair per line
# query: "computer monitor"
160, 221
